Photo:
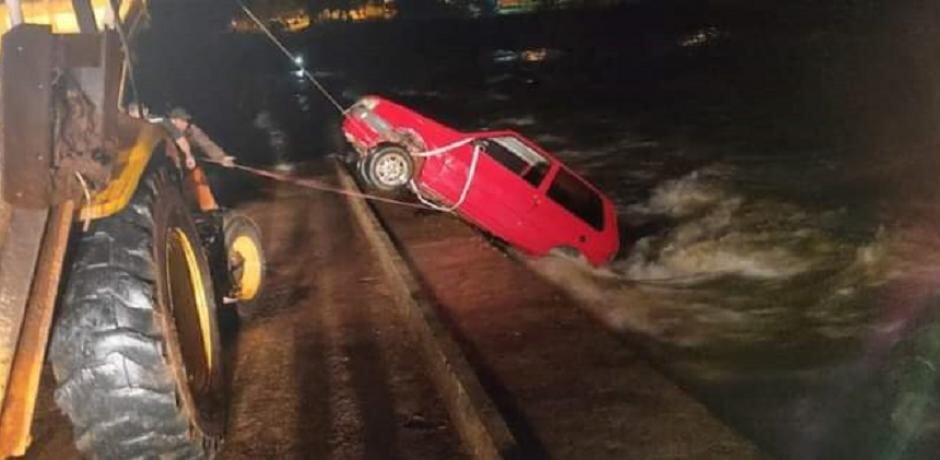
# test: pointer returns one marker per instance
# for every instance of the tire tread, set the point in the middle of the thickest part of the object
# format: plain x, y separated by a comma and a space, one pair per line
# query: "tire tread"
114, 379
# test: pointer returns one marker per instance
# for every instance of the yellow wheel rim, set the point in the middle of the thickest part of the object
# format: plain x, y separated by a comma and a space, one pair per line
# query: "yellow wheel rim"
188, 289
249, 280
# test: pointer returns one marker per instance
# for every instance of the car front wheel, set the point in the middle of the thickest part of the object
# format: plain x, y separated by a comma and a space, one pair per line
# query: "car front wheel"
389, 168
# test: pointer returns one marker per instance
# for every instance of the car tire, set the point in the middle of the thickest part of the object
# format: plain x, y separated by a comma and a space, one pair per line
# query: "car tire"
389, 168
361, 169
135, 349
247, 267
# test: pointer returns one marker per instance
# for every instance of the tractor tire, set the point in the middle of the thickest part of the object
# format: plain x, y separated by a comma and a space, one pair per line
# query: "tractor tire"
246, 262
389, 168
135, 350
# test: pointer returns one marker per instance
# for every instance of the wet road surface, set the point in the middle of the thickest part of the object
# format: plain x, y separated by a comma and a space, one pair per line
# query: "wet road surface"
567, 388
327, 370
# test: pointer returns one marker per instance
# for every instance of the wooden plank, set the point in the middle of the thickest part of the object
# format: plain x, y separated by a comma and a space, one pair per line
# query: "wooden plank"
18, 258
18, 407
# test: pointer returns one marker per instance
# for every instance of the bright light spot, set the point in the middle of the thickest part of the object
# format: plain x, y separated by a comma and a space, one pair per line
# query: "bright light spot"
299, 60
536, 55
700, 37
299, 73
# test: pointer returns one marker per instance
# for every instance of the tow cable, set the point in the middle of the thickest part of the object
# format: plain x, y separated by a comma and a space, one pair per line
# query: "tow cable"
301, 68
426, 203
315, 184
471, 173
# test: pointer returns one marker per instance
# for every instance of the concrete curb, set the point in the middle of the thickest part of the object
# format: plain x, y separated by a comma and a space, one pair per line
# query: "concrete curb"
479, 423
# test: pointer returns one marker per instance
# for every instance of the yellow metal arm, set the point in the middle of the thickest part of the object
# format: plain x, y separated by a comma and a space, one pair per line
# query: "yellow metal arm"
128, 169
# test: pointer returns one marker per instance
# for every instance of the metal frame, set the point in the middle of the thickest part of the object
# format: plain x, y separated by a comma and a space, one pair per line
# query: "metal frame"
28, 53
85, 16
35, 225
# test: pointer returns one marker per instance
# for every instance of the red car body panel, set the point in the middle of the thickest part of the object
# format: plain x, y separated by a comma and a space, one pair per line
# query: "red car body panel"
527, 208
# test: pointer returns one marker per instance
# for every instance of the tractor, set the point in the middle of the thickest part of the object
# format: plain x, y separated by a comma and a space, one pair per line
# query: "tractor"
110, 266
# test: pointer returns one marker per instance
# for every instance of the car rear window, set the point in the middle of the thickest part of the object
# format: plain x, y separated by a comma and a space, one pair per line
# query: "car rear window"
574, 195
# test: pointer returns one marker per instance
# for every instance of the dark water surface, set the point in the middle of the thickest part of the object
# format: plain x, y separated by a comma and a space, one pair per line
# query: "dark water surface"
775, 183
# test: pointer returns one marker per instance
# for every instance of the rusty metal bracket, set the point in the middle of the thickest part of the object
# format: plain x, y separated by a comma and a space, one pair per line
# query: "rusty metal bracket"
27, 114
60, 96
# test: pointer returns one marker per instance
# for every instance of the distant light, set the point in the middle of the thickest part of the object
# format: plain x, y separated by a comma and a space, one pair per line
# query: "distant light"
701, 37
299, 73
299, 60
536, 55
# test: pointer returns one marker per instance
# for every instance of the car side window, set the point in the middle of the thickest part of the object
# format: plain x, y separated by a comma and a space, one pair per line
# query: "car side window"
518, 158
574, 195
504, 156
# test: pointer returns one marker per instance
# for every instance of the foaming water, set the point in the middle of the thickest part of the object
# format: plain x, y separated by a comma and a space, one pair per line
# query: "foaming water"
714, 232
725, 273
781, 315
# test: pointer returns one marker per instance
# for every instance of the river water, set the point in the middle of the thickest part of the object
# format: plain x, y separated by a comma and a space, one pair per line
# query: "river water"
781, 257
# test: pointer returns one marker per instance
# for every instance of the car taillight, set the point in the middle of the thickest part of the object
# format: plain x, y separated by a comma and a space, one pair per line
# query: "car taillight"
369, 102
373, 121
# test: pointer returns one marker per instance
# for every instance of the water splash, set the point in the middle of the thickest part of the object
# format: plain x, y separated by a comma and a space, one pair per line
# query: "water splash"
714, 232
727, 275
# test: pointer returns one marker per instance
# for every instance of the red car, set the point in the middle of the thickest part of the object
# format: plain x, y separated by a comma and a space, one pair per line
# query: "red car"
498, 180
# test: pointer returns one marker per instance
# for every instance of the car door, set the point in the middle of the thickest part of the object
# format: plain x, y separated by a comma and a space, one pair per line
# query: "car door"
506, 187
571, 213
